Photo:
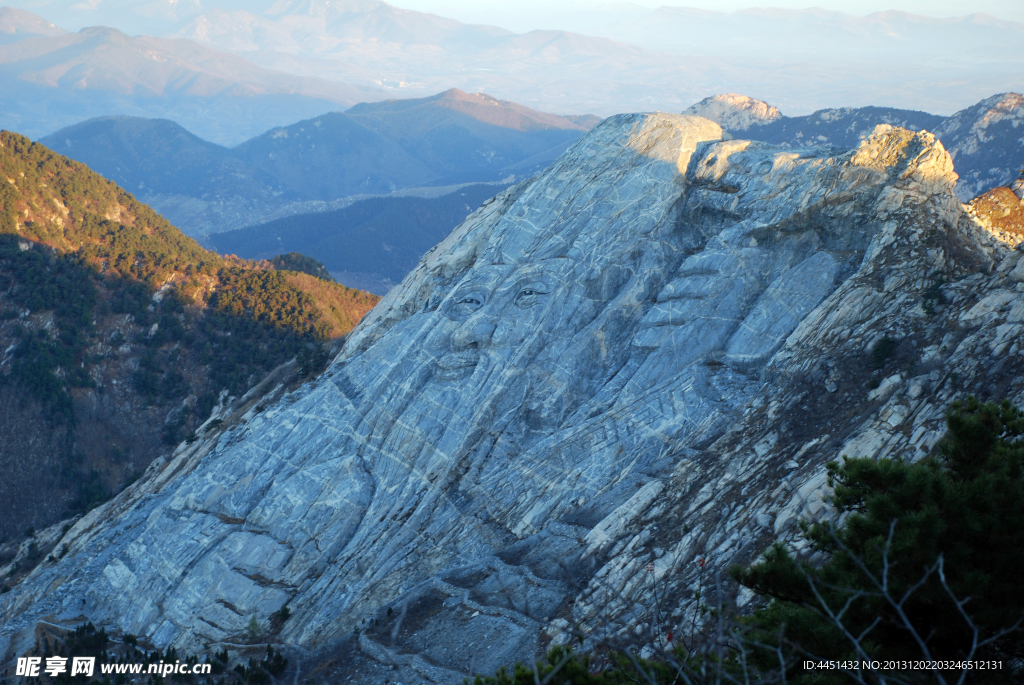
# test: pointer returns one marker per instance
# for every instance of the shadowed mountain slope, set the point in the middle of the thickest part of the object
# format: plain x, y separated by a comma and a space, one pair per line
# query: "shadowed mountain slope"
333, 156
465, 137
986, 142
843, 127
159, 157
376, 240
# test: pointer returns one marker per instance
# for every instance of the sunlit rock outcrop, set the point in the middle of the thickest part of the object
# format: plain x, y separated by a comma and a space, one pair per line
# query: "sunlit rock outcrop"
735, 112
645, 355
983, 140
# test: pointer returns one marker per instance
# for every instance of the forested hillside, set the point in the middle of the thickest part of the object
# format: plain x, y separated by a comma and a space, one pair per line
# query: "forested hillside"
121, 334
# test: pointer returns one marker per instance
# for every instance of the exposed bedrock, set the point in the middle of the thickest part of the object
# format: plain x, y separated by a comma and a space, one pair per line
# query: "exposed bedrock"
644, 355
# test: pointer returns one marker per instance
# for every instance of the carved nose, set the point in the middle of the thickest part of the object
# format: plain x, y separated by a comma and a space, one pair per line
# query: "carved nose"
477, 331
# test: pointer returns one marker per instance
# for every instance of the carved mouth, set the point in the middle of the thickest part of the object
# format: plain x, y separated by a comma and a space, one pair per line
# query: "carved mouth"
457, 365
659, 323
661, 319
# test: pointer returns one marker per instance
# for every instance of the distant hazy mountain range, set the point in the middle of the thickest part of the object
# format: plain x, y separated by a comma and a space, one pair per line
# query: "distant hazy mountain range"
51, 78
636, 58
765, 30
986, 140
315, 56
447, 139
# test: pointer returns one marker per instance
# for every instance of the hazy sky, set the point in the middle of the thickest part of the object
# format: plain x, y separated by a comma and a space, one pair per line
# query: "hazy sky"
525, 15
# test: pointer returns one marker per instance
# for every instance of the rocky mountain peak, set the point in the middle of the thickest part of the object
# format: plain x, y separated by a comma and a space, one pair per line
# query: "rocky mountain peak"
640, 358
734, 111
981, 139
977, 119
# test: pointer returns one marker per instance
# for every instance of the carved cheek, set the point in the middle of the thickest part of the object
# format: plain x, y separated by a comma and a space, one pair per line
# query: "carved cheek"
519, 326
510, 331
440, 334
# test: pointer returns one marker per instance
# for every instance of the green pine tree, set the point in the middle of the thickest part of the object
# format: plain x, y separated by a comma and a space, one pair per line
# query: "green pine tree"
917, 538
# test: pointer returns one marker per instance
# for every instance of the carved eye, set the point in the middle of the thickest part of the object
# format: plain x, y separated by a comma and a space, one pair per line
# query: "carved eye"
530, 294
464, 304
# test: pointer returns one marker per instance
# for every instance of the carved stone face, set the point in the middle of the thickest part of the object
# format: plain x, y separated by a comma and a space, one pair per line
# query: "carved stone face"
499, 314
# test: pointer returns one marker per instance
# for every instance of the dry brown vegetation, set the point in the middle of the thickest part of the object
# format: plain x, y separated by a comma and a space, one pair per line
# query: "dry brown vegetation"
1002, 208
340, 307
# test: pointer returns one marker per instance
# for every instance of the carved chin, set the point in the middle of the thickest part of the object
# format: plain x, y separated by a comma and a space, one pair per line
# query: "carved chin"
453, 367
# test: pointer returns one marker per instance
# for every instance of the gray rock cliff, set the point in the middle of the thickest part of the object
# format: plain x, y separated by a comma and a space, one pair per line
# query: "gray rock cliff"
644, 356
983, 139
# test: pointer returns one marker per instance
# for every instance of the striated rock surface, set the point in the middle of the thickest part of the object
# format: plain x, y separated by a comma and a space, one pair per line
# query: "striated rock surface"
642, 357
